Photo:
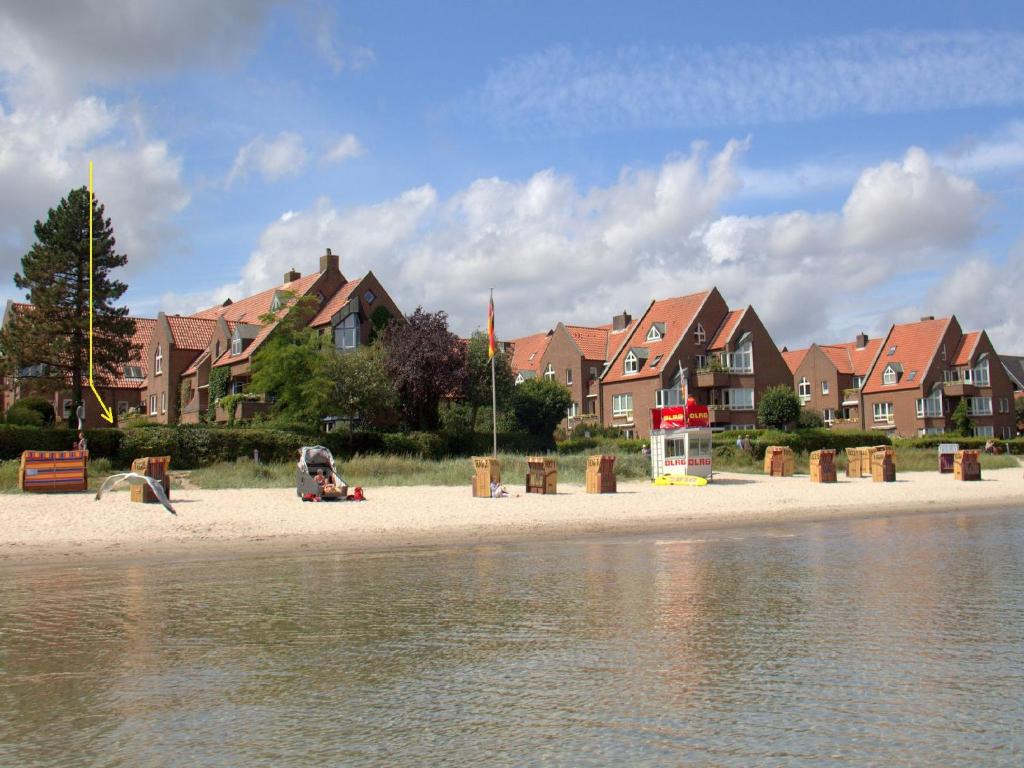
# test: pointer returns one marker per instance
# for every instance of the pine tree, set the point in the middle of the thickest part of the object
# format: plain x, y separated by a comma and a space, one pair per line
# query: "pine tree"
55, 276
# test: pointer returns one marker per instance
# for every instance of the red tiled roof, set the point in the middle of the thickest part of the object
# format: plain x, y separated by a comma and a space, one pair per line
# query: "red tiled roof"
251, 308
968, 345
593, 342
793, 358
850, 360
144, 327
192, 333
916, 345
528, 351
726, 330
677, 314
333, 304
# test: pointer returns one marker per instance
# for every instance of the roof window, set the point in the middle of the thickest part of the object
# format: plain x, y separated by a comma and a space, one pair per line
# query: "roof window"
892, 350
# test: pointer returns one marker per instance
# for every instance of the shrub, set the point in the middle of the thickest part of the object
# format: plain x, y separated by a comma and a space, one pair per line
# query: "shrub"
779, 407
806, 440
809, 420
33, 411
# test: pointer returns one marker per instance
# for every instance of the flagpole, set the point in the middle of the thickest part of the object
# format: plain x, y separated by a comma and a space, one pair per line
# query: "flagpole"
494, 392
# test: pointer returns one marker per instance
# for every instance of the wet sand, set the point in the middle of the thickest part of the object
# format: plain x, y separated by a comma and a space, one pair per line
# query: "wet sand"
226, 523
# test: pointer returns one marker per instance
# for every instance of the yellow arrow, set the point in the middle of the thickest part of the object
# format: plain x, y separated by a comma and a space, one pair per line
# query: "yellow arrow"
105, 411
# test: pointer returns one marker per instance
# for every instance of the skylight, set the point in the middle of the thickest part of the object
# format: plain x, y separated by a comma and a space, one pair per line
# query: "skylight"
912, 375
892, 350
655, 361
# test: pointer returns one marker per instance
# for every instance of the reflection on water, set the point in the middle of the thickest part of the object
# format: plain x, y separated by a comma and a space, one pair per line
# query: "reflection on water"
888, 642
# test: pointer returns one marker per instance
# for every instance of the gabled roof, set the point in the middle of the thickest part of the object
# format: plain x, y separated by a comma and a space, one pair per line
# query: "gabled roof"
251, 308
528, 351
593, 342
191, 333
336, 302
965, 351
726, 330
793, 358
916, 346
677, 314
1014, 365
144, 328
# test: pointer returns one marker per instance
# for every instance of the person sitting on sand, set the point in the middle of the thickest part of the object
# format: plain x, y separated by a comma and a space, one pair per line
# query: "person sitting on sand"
325, 486
498, 491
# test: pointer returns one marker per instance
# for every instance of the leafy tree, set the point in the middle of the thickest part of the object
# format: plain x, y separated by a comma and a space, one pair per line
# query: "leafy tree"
1019, 410
539, 405
809, 420
32, 411
427, 363
55, 276
293, 365
961, 421
779, 407
362, 388
379, 320
478, 377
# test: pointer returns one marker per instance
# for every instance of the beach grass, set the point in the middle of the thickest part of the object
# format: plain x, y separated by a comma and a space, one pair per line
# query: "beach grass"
908, 459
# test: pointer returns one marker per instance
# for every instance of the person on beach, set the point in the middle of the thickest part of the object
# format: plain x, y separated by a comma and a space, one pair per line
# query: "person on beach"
321, 480
80, 444
498, 491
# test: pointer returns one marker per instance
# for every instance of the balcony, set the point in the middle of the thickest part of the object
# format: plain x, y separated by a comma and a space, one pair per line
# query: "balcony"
958, 388
851, 395
709, 379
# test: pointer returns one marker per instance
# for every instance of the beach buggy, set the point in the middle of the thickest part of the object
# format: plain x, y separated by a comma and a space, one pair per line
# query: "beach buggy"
317, 479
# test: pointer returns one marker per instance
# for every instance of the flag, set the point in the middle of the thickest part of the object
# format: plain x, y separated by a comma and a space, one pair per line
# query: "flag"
490, 329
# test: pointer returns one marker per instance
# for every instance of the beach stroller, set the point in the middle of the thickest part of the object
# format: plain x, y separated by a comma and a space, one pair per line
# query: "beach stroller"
314, 460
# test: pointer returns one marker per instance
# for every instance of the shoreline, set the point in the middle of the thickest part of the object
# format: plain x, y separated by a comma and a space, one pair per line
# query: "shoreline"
226, 524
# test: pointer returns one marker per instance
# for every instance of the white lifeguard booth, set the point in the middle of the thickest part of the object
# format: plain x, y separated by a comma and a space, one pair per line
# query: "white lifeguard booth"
681, 441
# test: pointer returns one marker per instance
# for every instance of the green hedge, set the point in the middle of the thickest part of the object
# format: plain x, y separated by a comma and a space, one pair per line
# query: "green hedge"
600, 445
806, 440
1014, 446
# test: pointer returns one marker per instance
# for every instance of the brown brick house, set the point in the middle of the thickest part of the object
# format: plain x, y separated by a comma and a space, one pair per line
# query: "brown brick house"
123, 395
528, 354
924, 369
828, 378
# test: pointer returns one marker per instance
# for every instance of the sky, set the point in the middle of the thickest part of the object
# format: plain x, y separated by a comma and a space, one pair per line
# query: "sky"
839, 169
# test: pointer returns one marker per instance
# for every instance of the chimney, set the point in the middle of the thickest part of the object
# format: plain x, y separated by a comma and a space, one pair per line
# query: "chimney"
621, 322
291, 275
862, 340
926, 318
329, 261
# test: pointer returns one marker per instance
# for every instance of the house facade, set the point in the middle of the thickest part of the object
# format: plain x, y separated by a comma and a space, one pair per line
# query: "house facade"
828, 378
922, 372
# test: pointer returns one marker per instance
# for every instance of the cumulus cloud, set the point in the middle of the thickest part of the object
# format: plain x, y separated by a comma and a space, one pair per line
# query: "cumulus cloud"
554, 251
273, 159
343, 149
874, 73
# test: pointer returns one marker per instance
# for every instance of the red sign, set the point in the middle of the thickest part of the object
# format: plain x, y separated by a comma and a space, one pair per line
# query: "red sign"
679, 417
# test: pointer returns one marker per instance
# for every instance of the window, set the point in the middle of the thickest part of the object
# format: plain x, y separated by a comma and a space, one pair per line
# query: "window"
889, 375
943, 351
804, 389
655, 361
979, 406
828, 416
122, 407
216, 349
984, 431
237, 387
892, 350
665, 398
532, 355
930, 431
163, 402
158, 360
654, 334
549, 372
858, 382
824, 387
133, 371
152, 405
68, 407
276, 303
593, 372
568, 375
912, 375
369, 297
236, 344
622, 405
1006, 432
736, 399
883, 412
742, 360
632, 364
346, 333
700, 362
1004, 405
981, 374
699, 336
572, 411
931, 406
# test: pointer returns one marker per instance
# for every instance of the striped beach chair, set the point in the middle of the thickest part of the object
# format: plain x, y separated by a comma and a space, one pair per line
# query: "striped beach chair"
54, 471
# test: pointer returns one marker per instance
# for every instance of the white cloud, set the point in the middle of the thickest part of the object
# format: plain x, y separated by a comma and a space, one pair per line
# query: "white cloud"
273, 159
343, 149
337, 53
873, 73
553, 251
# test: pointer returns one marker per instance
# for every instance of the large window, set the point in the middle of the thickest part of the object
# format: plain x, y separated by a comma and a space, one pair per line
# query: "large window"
931, 406
804, 389
979, 406
984, 431
622, 405
665, 398
736, 399
883, 412
158, 360
981, 374
573, 410
632, 363
742, 360
346, 333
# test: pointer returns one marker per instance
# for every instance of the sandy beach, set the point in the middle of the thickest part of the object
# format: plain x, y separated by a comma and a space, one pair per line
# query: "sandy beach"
252, 522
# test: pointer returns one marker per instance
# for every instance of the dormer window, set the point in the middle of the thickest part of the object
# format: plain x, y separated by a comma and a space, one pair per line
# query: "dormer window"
632, 363
656, 333
133, 371
699, 336
346, 333
158, 360
889, 375
549, 372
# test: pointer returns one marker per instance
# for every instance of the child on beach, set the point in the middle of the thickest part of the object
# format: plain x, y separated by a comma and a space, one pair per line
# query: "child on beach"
498, 491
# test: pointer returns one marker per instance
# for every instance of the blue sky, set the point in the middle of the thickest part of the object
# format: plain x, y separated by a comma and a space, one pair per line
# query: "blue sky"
840, 169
